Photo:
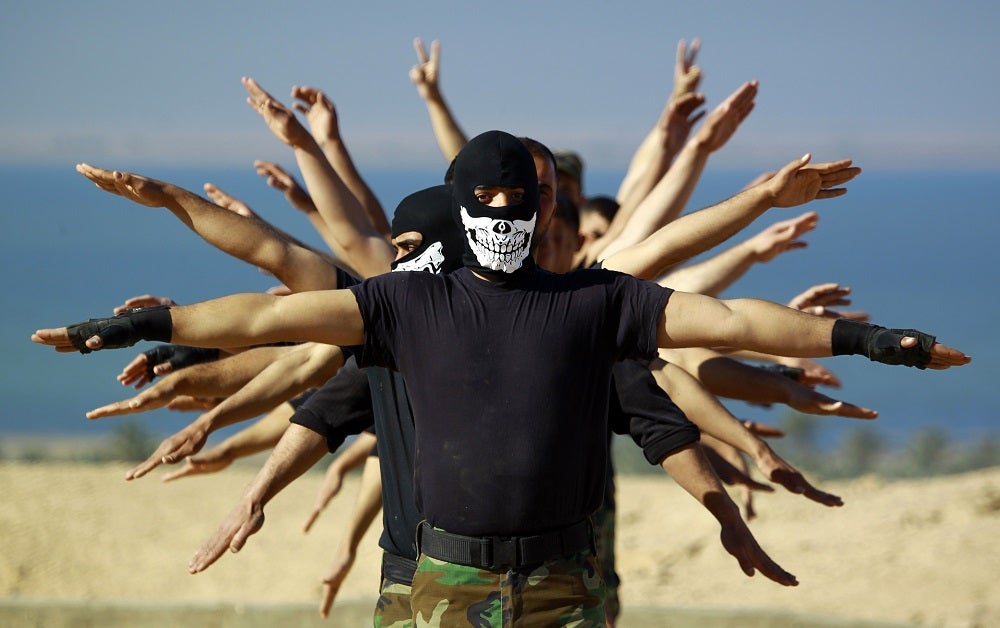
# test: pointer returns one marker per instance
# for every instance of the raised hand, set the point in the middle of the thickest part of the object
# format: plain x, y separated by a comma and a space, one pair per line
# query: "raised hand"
738, 541
782, 236
281, 120
806, 400
279, 179
333, 481
686, 74
425, 73
818, 300
780, 472
677, 120
723, 121
319, 112
227, 201
134, 187
799, 183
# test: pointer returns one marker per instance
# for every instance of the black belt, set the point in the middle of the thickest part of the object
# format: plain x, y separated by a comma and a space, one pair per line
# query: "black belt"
398, 569
496, 552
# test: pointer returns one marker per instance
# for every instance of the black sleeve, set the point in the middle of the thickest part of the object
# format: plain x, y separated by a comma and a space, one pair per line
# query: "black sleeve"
340, 408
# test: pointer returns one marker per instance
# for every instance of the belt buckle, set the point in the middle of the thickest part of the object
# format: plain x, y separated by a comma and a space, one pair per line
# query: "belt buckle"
503, 553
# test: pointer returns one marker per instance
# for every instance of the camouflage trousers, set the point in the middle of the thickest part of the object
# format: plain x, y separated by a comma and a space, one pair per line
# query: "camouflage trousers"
604, 537
563, 592
393, 607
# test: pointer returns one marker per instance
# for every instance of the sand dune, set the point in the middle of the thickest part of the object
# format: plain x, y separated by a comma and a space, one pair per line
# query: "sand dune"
921, 552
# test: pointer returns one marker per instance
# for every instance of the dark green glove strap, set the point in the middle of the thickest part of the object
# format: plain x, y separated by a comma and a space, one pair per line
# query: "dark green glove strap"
124, 330
880, 344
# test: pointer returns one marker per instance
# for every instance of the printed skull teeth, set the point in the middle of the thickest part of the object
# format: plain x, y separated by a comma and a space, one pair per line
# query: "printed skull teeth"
498, 244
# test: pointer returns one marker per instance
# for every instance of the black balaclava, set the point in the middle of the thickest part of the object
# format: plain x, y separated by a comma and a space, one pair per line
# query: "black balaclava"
497, 239
429, 213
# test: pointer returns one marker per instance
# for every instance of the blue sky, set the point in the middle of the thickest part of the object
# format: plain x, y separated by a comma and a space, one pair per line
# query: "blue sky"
893, 84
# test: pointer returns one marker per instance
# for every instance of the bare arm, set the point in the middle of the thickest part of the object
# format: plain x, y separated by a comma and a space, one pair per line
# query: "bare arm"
298, 450
365, 248
322, 118
717, 273
246, 238
689, 468
353, 456
797, 183
424, 75
668, 198
366, 506
260, 435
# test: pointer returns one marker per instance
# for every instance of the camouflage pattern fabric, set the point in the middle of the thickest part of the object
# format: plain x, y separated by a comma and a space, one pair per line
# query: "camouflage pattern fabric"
393, 607
604, 538
564, 592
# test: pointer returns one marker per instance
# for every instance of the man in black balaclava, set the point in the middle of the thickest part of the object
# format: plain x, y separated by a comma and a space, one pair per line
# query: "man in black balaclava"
508, 466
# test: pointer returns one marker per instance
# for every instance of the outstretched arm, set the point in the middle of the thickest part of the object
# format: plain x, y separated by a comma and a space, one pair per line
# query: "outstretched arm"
691, 471
717, 273
364, 247
261, 435
298, 450
668, 198
713, 419
692, 320
367, 504
330, 317
249, 239
796, 184
353, 456
425, 75
322, 118
652, 159
281, 380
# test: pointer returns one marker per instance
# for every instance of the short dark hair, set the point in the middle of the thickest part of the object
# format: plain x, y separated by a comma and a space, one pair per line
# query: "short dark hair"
603, 205
538, 149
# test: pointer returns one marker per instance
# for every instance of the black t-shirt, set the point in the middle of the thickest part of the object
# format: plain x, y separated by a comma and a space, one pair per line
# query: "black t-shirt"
340, 407
509, 387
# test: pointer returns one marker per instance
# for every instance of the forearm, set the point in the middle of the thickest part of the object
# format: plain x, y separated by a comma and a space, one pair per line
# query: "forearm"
297, 451
713, 275
703, 409
355, 454
726, 377
239, 320
368, 503
450, 137
261, 435
691, 470
691, 235
364, 248
662, 205
692, 320
336, 153
298, 371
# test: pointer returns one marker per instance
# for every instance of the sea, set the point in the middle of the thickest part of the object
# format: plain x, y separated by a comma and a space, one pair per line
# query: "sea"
918, 249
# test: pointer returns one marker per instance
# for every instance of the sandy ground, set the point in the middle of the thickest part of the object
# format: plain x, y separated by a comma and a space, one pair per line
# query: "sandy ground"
922, 552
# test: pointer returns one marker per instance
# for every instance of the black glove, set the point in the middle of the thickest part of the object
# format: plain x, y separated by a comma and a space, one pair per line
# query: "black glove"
178, 356
124, 330
880, 344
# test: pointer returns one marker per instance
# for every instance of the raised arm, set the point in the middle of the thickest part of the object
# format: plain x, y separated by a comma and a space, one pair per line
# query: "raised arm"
668, 198
796, 184
425, 75
249, 239
322, 118
364, 247
658, 149
717, 273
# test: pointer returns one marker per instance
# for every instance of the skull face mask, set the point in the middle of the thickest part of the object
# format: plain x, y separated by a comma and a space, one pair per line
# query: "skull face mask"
497, 239
428, 212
